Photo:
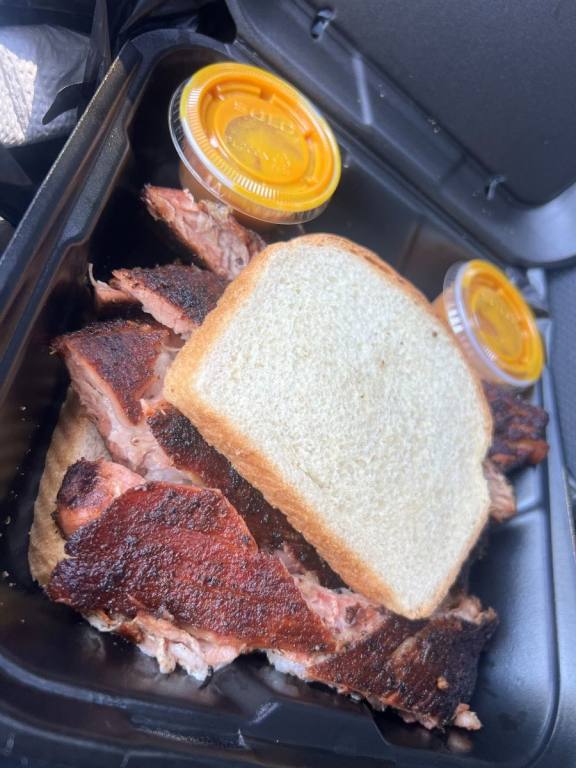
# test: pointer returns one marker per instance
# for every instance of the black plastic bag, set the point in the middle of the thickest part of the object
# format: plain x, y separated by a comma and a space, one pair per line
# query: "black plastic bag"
109, 25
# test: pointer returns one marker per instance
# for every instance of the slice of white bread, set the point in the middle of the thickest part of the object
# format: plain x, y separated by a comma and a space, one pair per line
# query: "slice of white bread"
330, 385
74, 437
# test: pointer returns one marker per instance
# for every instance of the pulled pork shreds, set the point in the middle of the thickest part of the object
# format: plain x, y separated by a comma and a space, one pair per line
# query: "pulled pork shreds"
502, 496
170, 645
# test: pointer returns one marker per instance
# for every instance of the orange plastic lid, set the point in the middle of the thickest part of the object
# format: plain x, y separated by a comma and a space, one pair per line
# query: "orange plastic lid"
499, 322
256, 142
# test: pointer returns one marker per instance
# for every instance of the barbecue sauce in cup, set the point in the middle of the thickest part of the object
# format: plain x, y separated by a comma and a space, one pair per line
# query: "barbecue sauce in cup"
493, 324
249, 139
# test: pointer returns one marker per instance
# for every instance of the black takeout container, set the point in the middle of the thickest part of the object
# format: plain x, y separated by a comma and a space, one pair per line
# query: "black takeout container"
74, 697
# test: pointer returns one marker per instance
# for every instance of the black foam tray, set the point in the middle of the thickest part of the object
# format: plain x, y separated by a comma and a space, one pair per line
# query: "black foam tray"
73, 697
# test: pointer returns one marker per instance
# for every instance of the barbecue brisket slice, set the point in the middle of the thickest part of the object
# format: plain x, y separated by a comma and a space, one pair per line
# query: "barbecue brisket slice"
115, 366
89, 487
177, 296
175, 570
519, 430
207, 230
189, 452
425, 669
114, 580
184, 554
116, 369
121, 361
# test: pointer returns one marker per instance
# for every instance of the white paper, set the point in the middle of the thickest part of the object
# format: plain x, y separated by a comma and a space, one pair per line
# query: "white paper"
35, 63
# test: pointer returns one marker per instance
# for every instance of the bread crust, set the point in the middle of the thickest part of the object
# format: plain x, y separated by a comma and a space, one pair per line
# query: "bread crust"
255, 467
74, 437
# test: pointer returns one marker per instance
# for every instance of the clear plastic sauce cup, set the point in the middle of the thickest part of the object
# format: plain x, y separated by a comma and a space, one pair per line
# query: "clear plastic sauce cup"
249, 139
493, 324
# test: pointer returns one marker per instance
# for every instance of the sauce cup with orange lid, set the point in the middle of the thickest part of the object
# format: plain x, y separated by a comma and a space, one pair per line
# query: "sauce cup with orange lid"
249, 139
493, 324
